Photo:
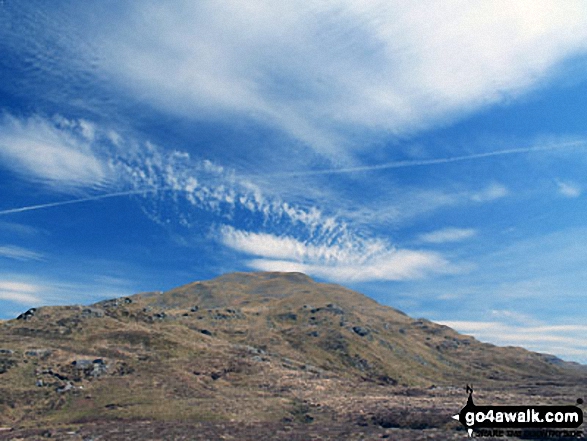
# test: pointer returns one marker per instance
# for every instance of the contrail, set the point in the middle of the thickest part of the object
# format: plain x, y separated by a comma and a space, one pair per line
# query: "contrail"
424, 162
80, 200
384, 166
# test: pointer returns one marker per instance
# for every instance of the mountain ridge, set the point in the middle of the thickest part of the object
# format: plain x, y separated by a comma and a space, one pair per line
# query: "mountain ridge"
200, 349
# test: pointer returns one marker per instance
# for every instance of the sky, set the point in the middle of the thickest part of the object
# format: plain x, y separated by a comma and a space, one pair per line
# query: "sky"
431, 155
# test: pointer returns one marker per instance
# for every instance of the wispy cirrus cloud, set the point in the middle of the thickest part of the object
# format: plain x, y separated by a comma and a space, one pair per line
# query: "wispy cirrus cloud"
350, 259
491, 193
527, 294
448, 235
393, 67
169, 183
19, 253
282, 235
404, 204
71, 155
56, 152
569, 189
19, 229
33, 289
19, 292
172, 185
565, 340
413, 163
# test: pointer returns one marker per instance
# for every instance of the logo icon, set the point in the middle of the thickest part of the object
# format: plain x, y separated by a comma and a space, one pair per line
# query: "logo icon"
492, 420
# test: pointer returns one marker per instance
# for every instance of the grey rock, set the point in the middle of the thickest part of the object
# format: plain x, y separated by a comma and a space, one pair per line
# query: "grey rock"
226, 314
91, 368
288, 316
114, 303
27, 315
311, 368
331, 308
98, 370
359, 330
82, 364
67, 387
250, 349
92, 312
335, 309
38, 352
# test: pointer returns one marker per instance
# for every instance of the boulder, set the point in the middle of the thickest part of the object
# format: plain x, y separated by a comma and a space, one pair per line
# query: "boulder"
359, 330
91, 368
66, 387
38, 352
92, 312
27, 315
82, 364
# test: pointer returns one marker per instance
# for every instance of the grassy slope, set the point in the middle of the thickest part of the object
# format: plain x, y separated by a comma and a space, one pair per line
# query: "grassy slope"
254, 344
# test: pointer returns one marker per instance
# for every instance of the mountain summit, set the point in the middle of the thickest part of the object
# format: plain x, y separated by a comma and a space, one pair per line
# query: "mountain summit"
243, 346
336, 329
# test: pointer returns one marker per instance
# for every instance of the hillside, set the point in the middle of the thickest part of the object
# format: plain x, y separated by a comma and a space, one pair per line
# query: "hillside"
248, 348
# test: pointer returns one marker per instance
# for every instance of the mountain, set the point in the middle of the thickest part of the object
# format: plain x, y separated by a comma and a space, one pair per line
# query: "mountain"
244, 348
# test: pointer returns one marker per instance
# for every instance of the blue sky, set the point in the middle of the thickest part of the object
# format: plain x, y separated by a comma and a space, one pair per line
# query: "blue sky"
432, 156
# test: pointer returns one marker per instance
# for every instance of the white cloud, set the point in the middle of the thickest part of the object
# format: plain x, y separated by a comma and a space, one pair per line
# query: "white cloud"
19, 229
402, 204
352, 259
174, 184
18, 292
565, 341
514, 317
19, 253
319, 70
448, 235
53, 152
491, 193
568, 190
34, 290
323, 245
542, 147
71, 154
18, 286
